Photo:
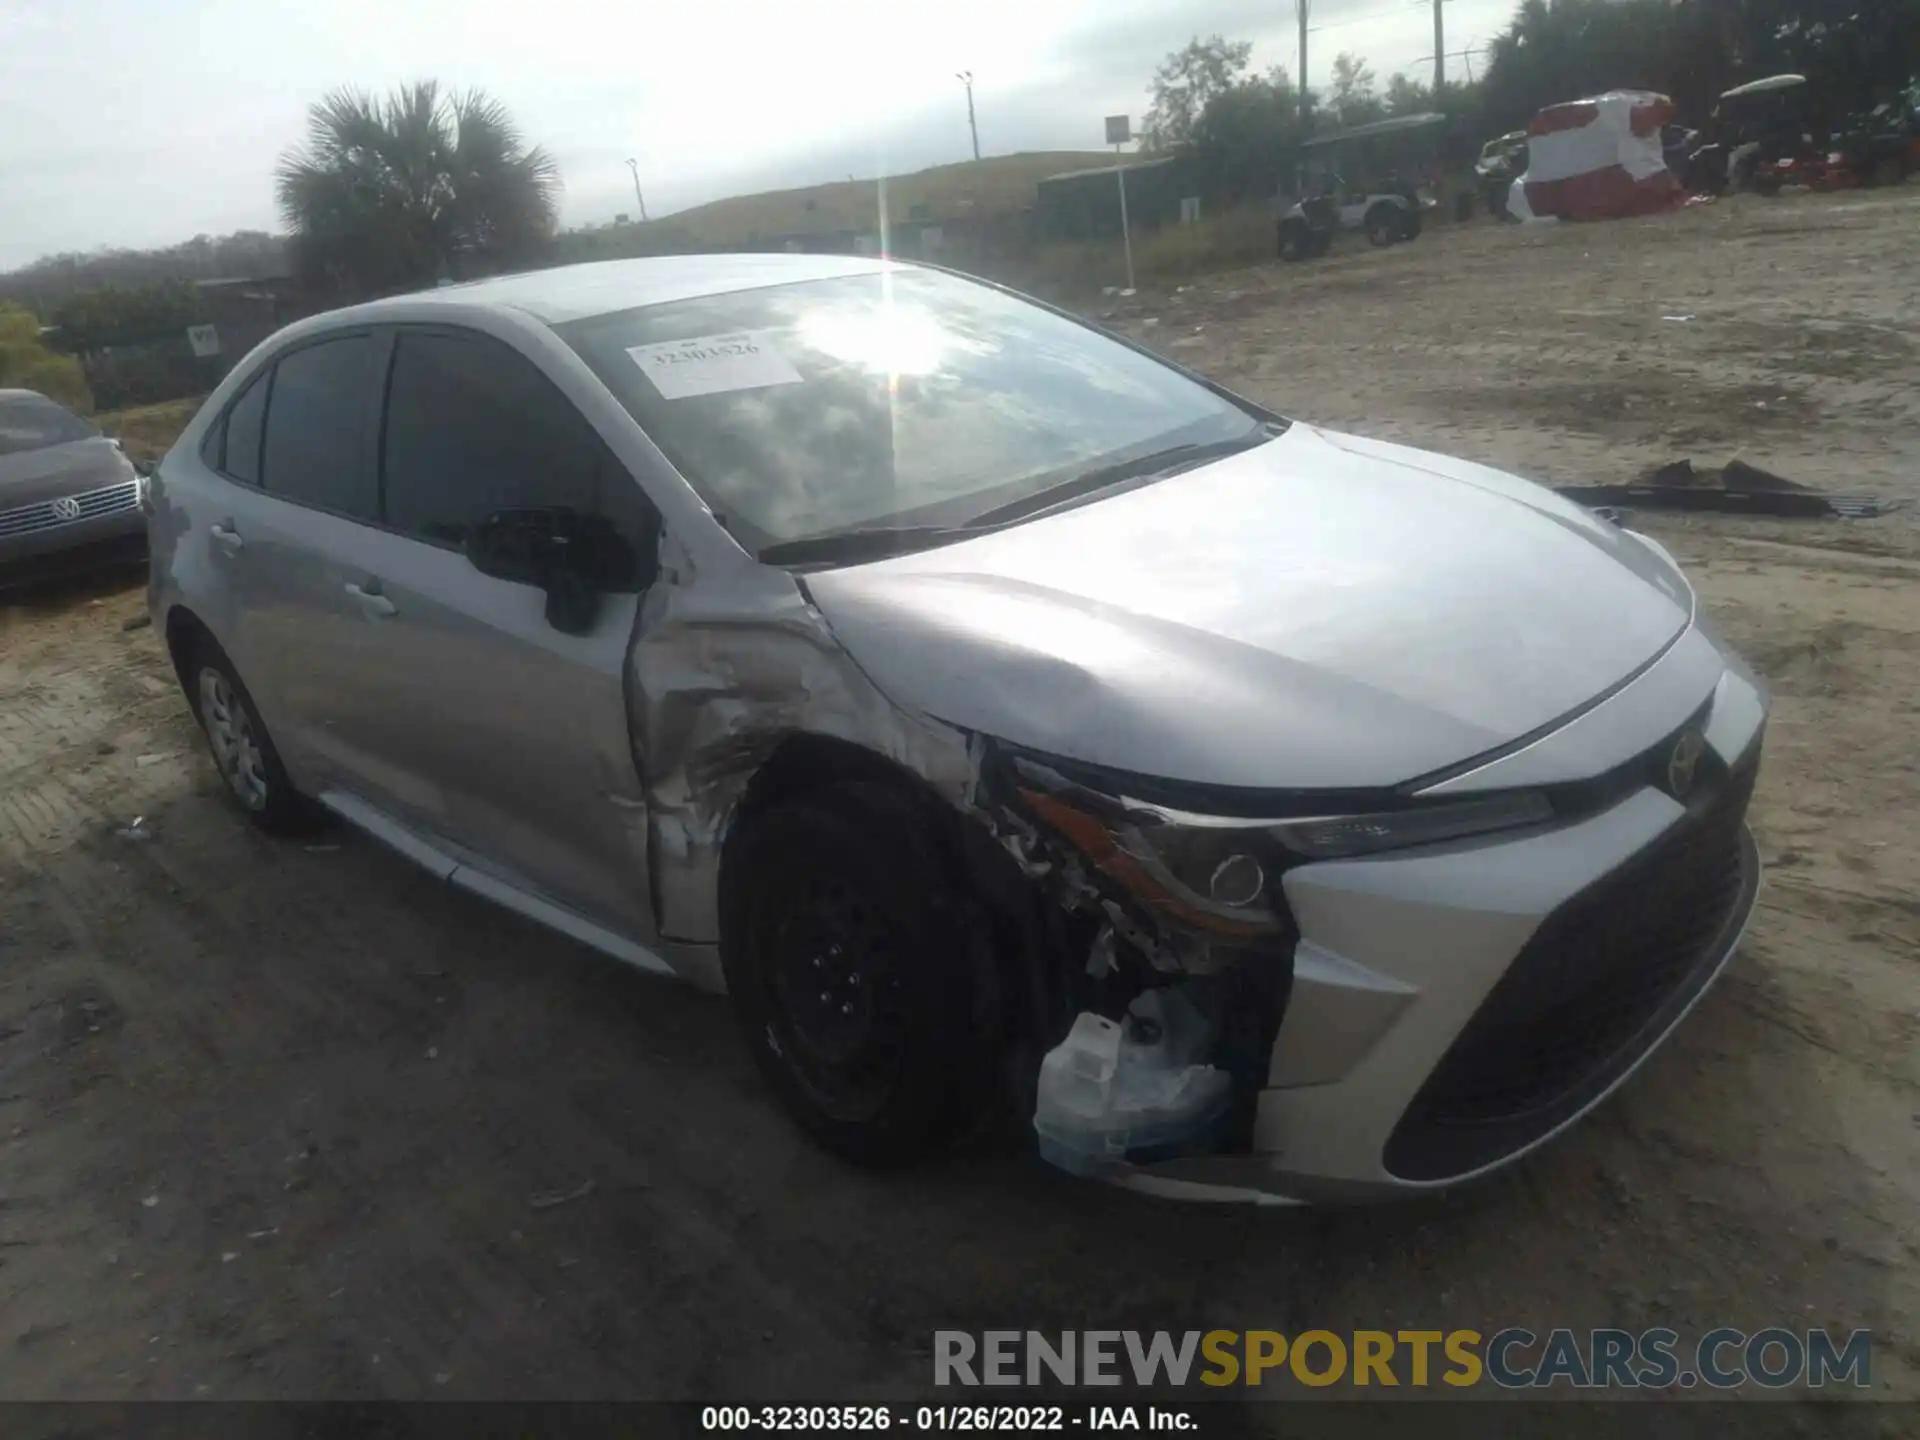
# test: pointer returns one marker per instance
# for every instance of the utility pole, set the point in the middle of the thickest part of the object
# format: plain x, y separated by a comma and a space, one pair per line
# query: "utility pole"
1439, 54
965, 77
1300, 9
634, 165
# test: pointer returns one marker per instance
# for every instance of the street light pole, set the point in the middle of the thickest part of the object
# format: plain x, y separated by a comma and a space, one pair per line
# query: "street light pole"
965, 77
634, 165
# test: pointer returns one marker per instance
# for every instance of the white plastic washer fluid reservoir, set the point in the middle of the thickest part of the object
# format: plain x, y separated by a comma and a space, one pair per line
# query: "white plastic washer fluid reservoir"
1113, 1088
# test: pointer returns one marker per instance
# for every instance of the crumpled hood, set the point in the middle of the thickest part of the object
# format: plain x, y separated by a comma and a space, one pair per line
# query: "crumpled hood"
1322, 612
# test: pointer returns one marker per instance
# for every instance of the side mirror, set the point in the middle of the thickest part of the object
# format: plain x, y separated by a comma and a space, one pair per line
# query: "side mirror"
575, 558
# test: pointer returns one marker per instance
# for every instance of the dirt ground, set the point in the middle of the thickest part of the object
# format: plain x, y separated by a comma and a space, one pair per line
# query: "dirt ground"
284, 1120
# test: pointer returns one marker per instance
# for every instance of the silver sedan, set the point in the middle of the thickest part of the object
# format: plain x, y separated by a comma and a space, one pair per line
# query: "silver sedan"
1008, 720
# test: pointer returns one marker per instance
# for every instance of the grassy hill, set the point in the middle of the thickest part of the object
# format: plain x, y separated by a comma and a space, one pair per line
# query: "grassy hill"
998, 185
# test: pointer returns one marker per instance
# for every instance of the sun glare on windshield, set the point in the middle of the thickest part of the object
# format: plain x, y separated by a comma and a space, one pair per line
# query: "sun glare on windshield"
895, 339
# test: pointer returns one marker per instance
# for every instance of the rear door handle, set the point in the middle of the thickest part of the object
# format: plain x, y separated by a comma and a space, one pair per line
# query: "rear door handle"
226, 537
372, 603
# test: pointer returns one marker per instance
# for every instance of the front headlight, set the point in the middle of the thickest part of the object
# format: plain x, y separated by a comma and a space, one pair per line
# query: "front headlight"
1223, 874
1217, 878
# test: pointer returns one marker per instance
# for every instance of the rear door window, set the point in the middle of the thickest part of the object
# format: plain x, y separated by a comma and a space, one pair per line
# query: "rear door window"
473, 427
313, 450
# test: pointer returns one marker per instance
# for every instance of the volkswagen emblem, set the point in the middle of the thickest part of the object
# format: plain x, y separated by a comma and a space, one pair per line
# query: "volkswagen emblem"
66, 508
1684, 762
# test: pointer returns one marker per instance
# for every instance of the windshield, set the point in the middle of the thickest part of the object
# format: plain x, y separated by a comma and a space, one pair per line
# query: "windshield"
907, 397
33, 422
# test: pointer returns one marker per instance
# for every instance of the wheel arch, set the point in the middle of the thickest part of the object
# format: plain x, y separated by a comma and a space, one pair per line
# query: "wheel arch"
1023, 921
184, 632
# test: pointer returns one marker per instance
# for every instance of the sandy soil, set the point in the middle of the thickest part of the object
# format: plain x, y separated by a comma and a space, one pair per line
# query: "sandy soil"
284, 1121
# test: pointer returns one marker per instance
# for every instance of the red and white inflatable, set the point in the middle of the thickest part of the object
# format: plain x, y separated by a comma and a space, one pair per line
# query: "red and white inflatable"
1597, 159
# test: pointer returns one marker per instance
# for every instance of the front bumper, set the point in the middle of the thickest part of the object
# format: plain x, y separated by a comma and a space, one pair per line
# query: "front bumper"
90, 529
83, 548
1456, 1007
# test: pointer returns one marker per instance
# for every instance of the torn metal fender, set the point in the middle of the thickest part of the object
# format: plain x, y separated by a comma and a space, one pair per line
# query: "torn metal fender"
726, 662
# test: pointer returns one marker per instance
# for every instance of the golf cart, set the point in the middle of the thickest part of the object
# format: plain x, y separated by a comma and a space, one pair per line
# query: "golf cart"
1753, 128
1385, 208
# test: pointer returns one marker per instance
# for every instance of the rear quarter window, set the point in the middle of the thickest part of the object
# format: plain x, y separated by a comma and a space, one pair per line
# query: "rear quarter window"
232, 446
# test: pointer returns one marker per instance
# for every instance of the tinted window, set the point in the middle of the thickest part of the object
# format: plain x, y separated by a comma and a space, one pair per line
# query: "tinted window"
473, 428
241, 457
312, 451
33, 422
905, 397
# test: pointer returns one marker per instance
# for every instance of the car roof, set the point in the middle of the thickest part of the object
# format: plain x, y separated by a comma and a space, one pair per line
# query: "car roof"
579, 292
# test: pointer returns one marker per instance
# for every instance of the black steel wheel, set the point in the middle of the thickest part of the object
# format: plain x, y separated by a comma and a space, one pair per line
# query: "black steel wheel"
848, 955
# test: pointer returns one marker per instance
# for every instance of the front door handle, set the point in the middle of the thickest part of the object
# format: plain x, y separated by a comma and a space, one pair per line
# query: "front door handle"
372, 603
226, 537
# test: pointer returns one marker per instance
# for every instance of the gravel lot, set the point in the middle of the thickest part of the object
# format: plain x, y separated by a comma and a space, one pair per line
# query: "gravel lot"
286, 1121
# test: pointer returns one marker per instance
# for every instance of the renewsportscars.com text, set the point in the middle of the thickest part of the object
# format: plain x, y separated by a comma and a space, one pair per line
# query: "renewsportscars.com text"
1512, 1358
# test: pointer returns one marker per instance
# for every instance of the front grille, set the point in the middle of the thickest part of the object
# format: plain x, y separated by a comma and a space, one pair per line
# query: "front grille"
1597, 985
89, 505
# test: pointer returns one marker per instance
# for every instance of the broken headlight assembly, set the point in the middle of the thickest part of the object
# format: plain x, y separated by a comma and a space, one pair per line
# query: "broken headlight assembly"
1222, 874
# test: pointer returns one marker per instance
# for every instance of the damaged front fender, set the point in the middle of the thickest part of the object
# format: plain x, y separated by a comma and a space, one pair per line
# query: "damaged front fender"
725, 665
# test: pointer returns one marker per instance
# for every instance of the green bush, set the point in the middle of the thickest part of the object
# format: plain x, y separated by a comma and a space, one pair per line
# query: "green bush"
27, 364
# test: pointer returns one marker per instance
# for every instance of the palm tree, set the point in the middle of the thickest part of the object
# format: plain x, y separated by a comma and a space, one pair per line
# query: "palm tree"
390, 195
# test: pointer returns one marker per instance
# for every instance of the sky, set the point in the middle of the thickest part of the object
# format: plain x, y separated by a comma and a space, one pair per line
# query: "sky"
145, 122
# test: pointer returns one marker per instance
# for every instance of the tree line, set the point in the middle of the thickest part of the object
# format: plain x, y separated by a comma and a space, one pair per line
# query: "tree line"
1241, 127
385, 194
425, 185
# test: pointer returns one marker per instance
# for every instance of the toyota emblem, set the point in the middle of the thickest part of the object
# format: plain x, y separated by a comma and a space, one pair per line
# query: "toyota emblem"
66, 508
1684, 762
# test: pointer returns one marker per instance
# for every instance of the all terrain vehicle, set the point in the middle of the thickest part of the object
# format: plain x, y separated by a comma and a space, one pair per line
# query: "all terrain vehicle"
1502, 161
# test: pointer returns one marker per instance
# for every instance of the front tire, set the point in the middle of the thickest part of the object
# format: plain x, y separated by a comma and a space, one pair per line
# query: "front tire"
849, 951
254, 777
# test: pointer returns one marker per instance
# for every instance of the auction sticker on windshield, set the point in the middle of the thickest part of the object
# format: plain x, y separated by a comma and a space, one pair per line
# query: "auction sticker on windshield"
714, 364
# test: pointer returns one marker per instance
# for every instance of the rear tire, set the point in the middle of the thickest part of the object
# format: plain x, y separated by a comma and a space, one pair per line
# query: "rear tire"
254, 778
849, 951
1296, 240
